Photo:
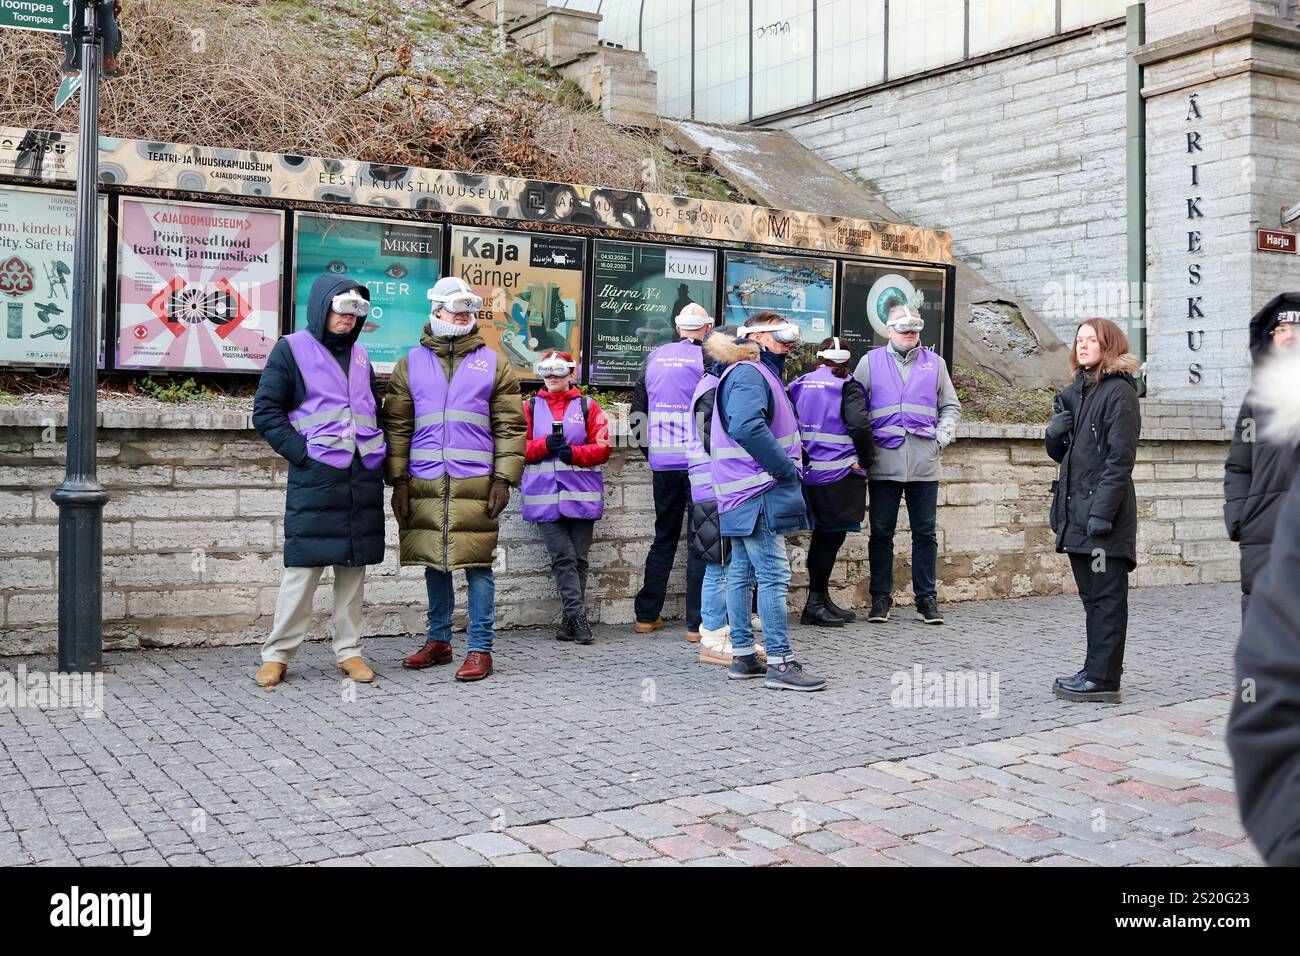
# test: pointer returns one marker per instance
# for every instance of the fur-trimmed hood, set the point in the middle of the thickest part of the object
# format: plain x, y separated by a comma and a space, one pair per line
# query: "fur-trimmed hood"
1126, 364
1275, 391
725, 349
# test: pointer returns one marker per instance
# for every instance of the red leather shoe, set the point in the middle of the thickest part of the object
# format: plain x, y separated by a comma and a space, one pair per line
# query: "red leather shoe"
477, 666
433, 652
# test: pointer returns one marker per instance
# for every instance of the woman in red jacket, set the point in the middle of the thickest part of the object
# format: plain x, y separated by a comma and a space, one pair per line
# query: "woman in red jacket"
563, 486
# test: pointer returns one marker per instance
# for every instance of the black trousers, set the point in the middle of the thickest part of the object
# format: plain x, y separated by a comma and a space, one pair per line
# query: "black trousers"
568, 540
1104, 594
672, 491
822, 552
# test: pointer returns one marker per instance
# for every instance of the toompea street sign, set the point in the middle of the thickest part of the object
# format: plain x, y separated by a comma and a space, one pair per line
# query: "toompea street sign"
53, 16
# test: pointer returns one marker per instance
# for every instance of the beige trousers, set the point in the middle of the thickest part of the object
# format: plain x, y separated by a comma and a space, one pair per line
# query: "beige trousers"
293, 612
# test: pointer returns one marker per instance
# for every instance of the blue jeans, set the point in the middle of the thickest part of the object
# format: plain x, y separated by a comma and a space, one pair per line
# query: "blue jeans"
713, 597
482, 606
922, 501
761, 555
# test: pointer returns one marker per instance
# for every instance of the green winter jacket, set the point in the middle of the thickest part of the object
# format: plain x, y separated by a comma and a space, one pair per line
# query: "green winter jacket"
449, 527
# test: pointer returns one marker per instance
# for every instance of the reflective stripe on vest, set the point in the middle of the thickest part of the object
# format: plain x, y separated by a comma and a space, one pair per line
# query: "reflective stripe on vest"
552, 489
737, 477
699, 466
338, 417
819, 401
453, 432
672, 372
899, 407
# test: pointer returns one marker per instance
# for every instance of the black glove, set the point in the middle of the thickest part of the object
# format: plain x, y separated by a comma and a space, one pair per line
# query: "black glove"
566, 454
1098, 527
556, 442
1061, 425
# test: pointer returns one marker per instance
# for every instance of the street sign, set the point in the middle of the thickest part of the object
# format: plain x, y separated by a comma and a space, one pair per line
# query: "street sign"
1274, 240
68, 86
50, 16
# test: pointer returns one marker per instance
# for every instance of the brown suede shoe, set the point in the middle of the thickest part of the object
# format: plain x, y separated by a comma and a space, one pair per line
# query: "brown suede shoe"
645, 627
270, 674
693, 636
433, 652
477, 666
357, 669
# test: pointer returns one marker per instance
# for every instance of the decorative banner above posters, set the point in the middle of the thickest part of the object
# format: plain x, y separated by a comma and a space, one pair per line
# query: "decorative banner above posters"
868, 292
531, 286
37, 235
800, 288
396, 261
637, 290
51, 156
198, 286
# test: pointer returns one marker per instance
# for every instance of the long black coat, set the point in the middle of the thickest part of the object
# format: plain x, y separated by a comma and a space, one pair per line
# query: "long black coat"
1097, 460
332, 515
1264, 729
1258, 471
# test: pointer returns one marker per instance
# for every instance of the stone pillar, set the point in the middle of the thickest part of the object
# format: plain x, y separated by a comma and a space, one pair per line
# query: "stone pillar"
1222, 160
556, 35
505, 13
620, 82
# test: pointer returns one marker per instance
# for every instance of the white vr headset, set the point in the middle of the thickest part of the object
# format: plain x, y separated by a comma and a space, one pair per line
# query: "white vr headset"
906, 323
785, 332
837, 353
457, 302
351, 303
553, 365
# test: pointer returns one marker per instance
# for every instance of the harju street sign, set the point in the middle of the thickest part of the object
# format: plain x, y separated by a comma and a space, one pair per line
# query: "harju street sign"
53, 16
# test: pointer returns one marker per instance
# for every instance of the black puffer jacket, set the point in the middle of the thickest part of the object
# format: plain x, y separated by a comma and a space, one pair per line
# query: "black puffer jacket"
1258, 472
331, 515
1264, 727
1097, 457
706, 542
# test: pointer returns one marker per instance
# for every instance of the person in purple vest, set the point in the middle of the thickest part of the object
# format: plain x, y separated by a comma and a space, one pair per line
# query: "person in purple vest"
317, 405
756, 457
455, 427
836, 432
914, 414
661, 401
564, 489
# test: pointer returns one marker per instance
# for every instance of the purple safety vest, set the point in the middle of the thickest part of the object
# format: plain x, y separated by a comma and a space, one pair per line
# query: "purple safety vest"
818, 400
552, 489
672, 372
899, 407
453, 425
736, 476
338, 417
699, 466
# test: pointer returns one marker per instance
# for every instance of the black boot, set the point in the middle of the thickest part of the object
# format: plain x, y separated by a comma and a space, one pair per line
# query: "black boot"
564, 631
815, 612
581, 628
1082, 690
845, 615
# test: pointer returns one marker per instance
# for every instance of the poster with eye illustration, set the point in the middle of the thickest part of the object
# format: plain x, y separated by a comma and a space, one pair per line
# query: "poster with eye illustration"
531, 286
198, 286
397, 262
870, 290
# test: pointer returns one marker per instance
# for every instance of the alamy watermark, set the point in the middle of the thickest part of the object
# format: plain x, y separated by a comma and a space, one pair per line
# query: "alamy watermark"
953, 689
52, 690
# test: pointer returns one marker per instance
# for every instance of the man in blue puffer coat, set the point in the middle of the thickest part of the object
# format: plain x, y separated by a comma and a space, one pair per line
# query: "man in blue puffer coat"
317, 406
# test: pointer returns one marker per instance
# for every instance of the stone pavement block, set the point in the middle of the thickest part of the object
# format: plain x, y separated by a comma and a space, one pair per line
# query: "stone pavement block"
740, 803
863, 856
346, 861
764, 838
814, 812
714, 836
667, 814
987, 857
637, 824
580, 858
907, 774
916, 855
950, 843
684, 847
865, 834
716, 861
522, 859
622, 848
588, 828
450, 853
824, 842
1061, 860
802, 856
866, 777
399, 856
699, 806
751, 855
546, 838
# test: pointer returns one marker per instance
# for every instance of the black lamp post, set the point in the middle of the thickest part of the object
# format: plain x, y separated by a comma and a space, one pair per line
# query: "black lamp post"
80, 497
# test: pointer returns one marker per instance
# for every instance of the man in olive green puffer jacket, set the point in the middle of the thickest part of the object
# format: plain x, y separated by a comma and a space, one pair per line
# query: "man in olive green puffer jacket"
447, 523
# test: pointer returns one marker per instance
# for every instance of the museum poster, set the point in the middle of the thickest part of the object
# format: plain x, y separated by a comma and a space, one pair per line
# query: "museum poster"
531, 286
637, 290
396, 261
869, 290
799, 288
198, 286
37, 238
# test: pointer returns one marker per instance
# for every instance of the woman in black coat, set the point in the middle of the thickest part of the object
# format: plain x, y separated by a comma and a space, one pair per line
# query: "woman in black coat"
1094, 436
1258, 471
1263, 732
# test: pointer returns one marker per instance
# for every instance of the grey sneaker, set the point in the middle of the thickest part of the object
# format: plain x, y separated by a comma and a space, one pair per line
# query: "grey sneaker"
745, 666
790, 676
928, 610
880, 605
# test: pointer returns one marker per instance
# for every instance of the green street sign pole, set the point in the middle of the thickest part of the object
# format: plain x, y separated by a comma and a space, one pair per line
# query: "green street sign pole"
80, 497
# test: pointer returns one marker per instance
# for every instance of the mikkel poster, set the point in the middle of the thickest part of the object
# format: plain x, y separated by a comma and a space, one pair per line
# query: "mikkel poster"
531, 286
198, 286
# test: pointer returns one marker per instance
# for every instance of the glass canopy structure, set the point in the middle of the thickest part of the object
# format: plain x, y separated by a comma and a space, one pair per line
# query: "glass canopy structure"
736, 61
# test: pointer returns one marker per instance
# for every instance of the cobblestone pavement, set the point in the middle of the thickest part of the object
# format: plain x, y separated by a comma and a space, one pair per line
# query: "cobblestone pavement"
630, 750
